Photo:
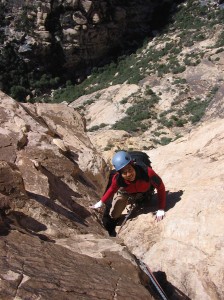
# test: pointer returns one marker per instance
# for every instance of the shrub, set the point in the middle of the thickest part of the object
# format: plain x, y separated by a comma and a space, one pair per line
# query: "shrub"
23, 22
178, 135
18, 92
156, 133
97, 96
126, 124
124, 100
196, 108
165, 140
181, 122
88, 102
108, 147
165, 122
165, 112
174, 118
102, 125
178, 69
135, 78
96, 127
145, 148
219, 50
149, 91
180, 81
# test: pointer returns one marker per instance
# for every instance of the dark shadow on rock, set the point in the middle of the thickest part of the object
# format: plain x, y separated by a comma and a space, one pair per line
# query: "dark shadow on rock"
25, 224
146, 206
4, 227
172, 198
57, 208
73, 157
85, 182
170, 290
151, 206
65, 195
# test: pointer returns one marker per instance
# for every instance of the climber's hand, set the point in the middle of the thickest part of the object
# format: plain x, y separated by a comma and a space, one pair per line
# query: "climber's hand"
97, 205
160, 214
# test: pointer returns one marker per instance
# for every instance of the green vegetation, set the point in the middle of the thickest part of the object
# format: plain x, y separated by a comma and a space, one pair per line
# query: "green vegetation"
10, 74
17, 80
195, 108
193, 15
194, 22
97, 127
180, 81
158, 133
108, 147
24, 22
124, 100
191, 23
141, 110
163, 141
88, 102
220, 42
193, 59
192, 111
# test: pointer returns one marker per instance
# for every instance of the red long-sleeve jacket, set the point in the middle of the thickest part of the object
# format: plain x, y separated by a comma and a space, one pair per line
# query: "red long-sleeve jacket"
139, 186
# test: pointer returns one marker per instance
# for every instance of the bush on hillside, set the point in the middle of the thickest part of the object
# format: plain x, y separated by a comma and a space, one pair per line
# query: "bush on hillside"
126, 124
18, 92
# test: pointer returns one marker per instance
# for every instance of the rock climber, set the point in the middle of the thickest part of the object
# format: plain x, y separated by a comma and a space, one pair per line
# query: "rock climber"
132, 180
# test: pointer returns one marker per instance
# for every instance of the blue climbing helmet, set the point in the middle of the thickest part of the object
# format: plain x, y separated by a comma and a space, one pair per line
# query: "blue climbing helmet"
121, 159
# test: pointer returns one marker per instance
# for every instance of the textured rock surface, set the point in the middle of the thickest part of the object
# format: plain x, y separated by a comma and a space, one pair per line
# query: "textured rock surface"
188, 244
106, 105
51, 174
52, 247
33, 269
46, 196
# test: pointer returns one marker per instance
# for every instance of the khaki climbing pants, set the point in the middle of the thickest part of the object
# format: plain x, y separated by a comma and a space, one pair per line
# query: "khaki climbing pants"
120, 201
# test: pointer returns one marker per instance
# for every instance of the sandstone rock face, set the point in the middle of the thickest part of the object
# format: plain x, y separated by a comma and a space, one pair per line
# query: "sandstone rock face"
49, 172
45, 194
188, 244
52, 245
106, 106
33, 269
12, 190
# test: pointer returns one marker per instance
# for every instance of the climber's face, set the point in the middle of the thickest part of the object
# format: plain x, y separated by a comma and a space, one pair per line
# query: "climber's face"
128, 173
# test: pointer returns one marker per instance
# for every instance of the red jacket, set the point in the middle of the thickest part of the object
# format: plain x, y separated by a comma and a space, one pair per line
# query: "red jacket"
139, 186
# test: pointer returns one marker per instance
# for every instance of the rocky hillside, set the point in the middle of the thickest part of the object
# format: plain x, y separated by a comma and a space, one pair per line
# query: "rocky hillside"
78, 34
160, 93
